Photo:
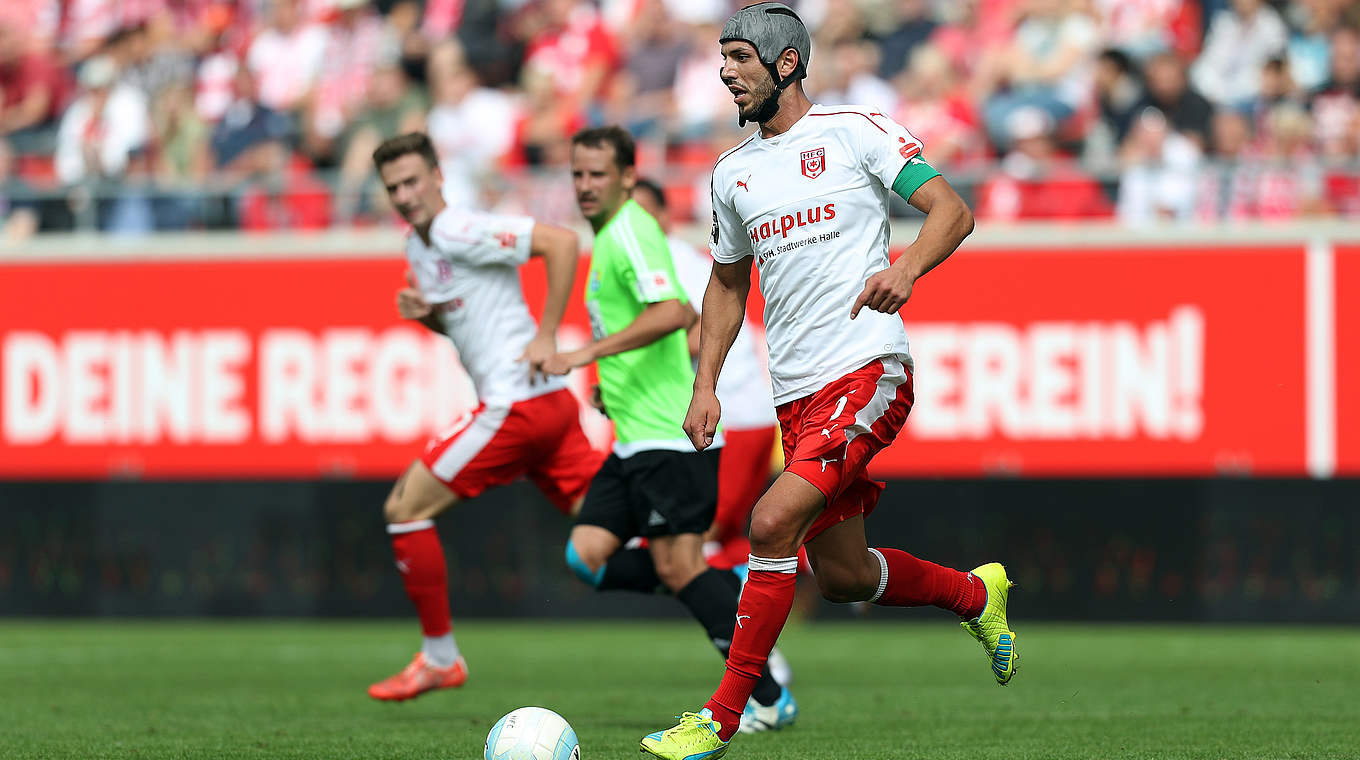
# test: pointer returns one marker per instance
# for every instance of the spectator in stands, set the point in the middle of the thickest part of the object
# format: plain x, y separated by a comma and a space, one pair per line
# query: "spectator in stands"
1143, 28
702, 105
1185, 110
32, 88
101, 134
1290, 184
654, 47
833, 21
1160, 169
935, 105
182, 159
1309, 52
1035, 180
546, 123
850, 75
974, 33
1226, 190
1117, 95
149, 58
912, 25
1277, 89
18, 218
1336, 104
355, 43
286, 57
215, 78
689, 12
251, 138
394, 107
472, 127
1048, 66
576, 51
1240, 41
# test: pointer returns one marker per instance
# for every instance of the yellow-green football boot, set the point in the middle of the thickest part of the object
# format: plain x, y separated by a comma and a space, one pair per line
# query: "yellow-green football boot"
696, 738
991, 628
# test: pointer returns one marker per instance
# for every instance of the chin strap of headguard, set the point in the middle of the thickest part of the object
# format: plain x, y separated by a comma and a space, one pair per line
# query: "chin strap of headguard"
771, 105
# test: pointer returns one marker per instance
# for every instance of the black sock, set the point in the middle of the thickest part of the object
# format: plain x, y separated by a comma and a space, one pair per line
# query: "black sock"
732, 579
712, 601
630, 570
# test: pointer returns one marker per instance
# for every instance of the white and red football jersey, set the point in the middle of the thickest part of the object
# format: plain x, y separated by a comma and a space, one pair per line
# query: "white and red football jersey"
811, 205
470, 275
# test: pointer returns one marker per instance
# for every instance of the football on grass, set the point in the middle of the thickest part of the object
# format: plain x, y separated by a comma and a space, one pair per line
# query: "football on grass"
532, 733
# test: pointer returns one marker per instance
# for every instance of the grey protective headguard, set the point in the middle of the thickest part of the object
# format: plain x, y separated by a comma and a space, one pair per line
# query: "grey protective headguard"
771, 28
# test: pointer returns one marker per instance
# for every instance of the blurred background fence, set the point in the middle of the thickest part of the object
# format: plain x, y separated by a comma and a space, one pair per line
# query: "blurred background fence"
1118, 549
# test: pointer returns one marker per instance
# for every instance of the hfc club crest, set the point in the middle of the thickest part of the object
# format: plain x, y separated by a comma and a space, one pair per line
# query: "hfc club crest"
814, 162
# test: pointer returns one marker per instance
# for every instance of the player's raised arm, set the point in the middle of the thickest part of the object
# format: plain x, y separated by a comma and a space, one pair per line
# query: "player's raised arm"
948, 222
559, 249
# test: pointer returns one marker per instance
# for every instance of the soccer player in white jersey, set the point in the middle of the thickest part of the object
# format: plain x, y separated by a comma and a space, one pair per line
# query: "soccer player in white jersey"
464, 283
805, 200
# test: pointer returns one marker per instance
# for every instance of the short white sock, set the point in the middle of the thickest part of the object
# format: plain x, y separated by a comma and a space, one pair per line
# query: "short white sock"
440, 651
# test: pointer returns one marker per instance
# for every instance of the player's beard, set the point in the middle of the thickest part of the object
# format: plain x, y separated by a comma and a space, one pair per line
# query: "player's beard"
760, 95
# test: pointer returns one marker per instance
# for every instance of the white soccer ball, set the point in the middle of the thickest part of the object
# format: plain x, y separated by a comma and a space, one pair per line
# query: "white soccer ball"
532, 733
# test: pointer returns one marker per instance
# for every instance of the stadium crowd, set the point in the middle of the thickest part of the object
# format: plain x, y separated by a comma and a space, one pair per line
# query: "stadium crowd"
141, 115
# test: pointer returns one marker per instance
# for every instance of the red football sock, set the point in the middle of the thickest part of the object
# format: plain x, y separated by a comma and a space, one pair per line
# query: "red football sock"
420, 558
912, 582
761, 613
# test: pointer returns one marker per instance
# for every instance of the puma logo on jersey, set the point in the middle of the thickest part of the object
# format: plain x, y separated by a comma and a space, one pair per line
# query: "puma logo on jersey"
741, 184
826, 462
739, 617
827, 432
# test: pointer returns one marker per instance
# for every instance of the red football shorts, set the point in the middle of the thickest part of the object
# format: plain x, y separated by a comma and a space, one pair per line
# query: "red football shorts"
830, 436
539, 438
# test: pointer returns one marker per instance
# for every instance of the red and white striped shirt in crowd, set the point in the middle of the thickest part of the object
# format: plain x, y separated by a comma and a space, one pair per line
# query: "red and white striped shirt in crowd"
286, 64
351, 54
442, 18
568, 53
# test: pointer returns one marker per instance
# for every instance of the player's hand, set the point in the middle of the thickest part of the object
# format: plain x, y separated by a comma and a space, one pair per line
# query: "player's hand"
885, 291
561, 364
597, 400
542, 348
701, 422
410, 303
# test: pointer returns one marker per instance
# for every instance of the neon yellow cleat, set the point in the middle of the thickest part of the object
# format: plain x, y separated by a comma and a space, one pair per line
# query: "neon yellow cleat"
696, 738
991, 627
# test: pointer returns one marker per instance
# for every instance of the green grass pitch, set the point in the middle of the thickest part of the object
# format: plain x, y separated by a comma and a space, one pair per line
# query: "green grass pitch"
873, 689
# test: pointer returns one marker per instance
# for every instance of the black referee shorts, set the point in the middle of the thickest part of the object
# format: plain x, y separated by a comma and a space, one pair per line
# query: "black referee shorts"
654, 493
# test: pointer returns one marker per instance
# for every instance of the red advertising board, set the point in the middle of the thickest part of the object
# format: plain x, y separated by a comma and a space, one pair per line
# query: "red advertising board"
1157, 361
220, 369
1347, 304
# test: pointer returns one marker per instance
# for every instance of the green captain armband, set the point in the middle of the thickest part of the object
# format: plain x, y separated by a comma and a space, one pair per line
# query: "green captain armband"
912, 176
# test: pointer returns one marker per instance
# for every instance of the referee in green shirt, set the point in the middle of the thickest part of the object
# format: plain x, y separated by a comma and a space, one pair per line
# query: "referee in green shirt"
654, 484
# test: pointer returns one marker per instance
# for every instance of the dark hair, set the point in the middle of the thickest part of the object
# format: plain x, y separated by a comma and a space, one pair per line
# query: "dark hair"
412, 142
1119, 58
649, 186
625, 150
